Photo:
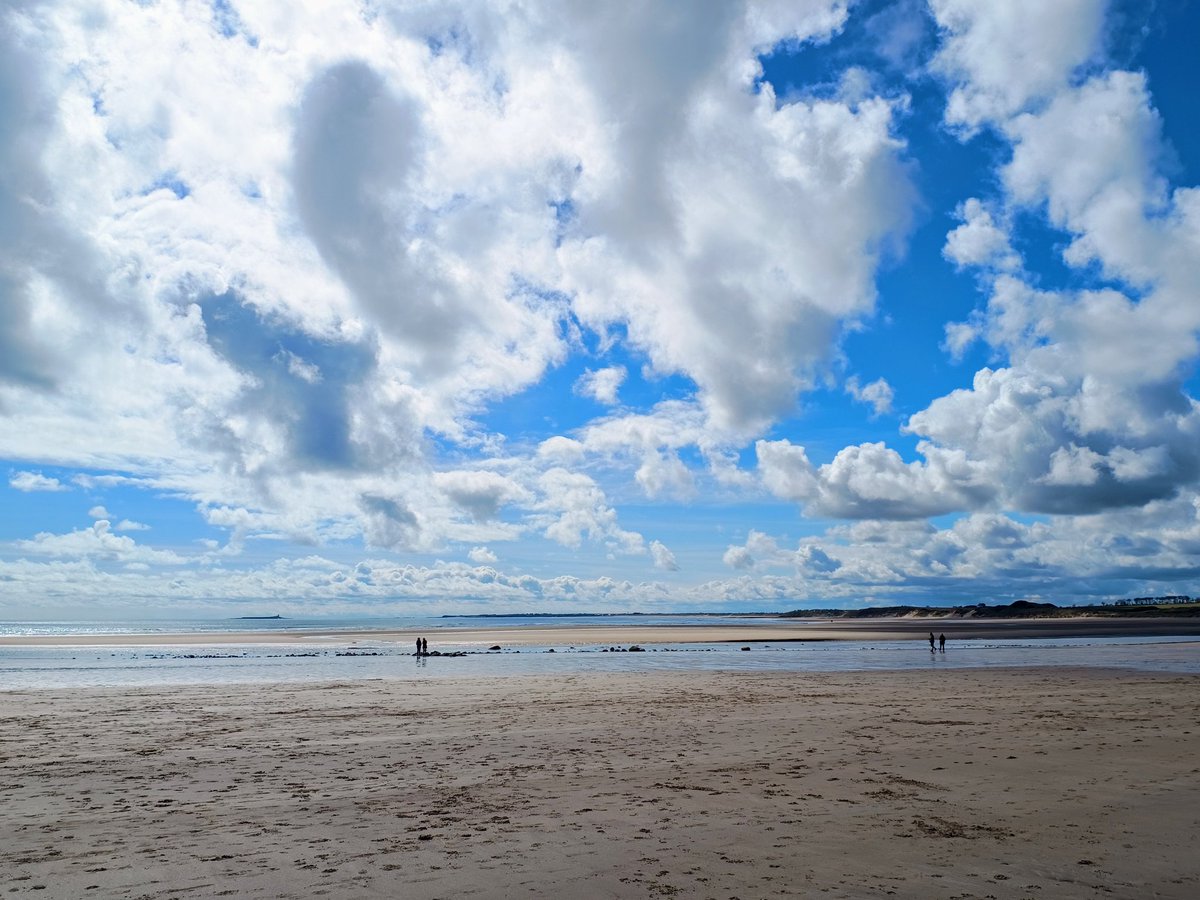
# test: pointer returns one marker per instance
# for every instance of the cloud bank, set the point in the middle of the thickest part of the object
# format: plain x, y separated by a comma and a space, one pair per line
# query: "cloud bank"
458, 292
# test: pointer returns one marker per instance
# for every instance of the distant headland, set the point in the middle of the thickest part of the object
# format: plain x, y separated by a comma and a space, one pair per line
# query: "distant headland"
1138, 608
1171, 605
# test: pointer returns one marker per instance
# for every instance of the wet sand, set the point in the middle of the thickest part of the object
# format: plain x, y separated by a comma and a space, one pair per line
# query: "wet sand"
1004, 783
721, 630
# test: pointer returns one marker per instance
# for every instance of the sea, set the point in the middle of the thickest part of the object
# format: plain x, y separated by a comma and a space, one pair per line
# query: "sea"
342, 656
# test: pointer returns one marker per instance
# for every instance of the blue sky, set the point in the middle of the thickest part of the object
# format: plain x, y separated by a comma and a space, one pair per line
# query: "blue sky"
527, 307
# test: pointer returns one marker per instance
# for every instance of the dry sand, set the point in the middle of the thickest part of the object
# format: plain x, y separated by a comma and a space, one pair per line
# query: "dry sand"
1008, 783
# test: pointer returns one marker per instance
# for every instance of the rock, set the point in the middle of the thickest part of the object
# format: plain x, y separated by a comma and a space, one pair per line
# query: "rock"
494, 647
636, 649
745, 648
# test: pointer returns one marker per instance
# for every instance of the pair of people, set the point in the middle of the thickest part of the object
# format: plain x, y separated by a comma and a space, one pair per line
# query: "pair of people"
941, 641
423, 646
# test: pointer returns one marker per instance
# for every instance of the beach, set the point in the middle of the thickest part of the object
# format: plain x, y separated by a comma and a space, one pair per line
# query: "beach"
1003, 783
595, 631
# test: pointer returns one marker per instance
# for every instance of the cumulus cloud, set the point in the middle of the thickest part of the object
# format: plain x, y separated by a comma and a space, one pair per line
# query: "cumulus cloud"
979, 241
479, 492
761, 551
573, 507
1002, 57
99, 543
481, 555
877, 394
1092, 412
738, 558
959, 337
872, 481
601, 384
663, 557
35, 481
406, 223
308, 329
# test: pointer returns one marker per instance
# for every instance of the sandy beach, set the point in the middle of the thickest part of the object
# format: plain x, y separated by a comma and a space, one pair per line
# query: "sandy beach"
1005, 783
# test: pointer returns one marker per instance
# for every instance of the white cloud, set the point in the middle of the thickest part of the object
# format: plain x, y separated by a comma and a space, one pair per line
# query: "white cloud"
384, 243
1112, 194
303, 328
738, 558
878, 394
479, 492
29, 482
664, 474
979, 241
481, 556
959, 337
1091, 413
98, 542
792, 282
573, 507
1005, 56
1073, 466
762, 552
663, 557
871, 481
601, 385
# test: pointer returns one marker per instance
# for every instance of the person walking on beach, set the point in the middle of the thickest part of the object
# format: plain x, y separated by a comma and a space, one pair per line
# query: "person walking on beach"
931, 647
942, 642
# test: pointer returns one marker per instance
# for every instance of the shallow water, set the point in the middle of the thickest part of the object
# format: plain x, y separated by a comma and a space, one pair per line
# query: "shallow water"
45, 667
333, 625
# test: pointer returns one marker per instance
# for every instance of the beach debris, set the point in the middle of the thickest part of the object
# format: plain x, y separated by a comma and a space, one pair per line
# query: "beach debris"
745, 648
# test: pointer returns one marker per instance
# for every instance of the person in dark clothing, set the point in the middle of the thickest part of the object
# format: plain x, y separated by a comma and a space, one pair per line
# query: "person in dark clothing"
424, 647
418, 647
931, 642
942, 642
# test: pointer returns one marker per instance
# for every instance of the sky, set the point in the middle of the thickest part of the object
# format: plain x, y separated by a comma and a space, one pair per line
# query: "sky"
374, 307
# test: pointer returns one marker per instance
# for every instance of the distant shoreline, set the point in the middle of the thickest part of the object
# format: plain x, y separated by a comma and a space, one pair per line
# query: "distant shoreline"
1021, 609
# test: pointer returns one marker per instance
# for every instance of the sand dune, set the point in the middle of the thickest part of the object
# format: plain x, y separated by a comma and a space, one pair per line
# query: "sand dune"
1001, 783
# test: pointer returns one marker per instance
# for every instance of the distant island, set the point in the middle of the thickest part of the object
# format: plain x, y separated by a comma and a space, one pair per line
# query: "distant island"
243, 618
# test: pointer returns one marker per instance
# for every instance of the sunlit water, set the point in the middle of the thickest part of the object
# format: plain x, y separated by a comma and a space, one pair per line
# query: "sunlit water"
423, 624
217, 663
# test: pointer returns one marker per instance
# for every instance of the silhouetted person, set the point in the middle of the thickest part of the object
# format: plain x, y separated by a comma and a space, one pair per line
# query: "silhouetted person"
942, 642
931, 648
418, 646
424, 647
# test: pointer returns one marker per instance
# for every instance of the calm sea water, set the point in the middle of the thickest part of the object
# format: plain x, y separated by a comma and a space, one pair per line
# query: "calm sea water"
333, 625
214, 662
